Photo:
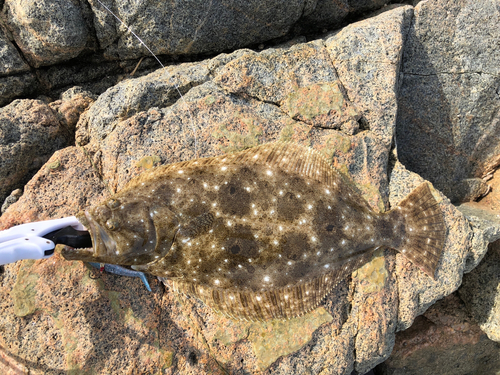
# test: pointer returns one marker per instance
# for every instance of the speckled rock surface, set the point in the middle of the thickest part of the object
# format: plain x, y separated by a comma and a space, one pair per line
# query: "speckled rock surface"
11, 199
444, 340
65, 43
481, 293
480, 289
448, 120
47, 32
11, 61
337, 95
31, 131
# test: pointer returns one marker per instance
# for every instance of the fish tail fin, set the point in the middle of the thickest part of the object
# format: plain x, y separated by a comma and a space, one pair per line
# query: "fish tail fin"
424, 229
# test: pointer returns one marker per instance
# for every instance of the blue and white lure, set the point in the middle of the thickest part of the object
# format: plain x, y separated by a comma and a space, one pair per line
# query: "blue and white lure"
121, 271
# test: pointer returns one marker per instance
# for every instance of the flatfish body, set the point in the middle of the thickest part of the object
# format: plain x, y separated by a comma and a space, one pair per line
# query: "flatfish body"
259, 234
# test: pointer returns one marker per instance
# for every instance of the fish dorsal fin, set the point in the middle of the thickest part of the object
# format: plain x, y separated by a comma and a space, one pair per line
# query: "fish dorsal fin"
286, 156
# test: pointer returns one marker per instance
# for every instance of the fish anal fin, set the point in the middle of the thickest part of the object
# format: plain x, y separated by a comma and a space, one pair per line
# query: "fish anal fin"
281, 303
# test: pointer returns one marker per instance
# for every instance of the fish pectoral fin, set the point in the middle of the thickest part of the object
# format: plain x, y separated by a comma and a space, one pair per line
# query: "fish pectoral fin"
140, 267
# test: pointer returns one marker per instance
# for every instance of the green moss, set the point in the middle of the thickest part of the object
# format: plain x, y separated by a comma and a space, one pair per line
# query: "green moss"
54, 165
69, 340
241, 133
371, 192
209, 100
339, 143
148, 162
23, 293
296, 132
373, 274
275, 338
167, 359
114, 301
316, 100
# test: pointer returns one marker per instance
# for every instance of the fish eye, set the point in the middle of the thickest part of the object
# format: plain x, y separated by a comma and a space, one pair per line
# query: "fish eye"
113, 203
112, 224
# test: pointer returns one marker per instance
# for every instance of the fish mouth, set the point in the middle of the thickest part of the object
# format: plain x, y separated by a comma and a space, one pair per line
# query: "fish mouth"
103, 244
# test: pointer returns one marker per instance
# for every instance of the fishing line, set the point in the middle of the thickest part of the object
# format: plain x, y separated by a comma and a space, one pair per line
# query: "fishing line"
163, 66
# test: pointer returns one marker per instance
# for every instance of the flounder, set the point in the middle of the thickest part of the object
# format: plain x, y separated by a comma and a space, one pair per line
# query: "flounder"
260, 234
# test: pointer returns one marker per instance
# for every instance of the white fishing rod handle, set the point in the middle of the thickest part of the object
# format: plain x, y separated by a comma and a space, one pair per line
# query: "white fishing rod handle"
30, 247
25, 241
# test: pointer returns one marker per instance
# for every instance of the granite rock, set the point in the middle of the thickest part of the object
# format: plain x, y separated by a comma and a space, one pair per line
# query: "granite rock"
11, 61
481, 294
479, 290
59, 37
15, 86
444, 340
47, 32
448, 127
30, 133
11, 199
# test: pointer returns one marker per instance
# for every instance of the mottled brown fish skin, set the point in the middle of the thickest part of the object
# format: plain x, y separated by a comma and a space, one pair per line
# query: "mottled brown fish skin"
260, 234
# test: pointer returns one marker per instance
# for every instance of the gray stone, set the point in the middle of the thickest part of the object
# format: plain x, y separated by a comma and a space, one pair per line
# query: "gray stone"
180, 28
379, 65
47, 32
11, 199
19, 85
200, 27
29, 134
486, 229
481, 295
167, 28
11, 61
469, 189
446, 341
323, 14
480, 290
159, 89
449, 109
